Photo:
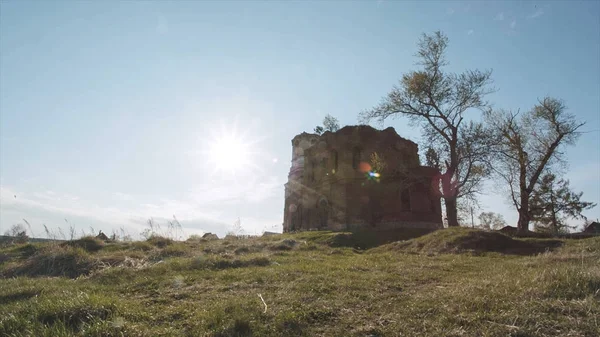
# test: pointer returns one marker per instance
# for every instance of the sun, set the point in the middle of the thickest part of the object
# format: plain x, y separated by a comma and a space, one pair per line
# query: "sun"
233, 150
229, 152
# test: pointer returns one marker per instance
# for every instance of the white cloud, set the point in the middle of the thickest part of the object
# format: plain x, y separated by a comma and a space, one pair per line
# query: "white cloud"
450, 11
499, 17
513, 24
470, 32
209, 207
536, 14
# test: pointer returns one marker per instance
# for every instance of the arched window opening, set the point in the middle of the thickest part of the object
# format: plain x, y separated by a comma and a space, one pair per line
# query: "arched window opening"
405, 199
334, 157
323, 211
355, 158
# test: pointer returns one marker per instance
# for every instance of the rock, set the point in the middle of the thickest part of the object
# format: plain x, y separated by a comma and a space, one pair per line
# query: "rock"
102, 236
210, 236
508, 230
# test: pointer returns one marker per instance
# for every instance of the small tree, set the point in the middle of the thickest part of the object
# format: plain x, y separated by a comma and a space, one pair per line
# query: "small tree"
377, 162
527, 145
553, 202
237, 227
491, 220
330, 123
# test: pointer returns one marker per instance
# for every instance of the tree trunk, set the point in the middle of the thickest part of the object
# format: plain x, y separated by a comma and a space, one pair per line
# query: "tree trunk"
553, 210
451, 212
524, 217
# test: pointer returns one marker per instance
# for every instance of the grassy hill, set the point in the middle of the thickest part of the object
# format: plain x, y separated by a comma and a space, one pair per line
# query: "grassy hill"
454, 282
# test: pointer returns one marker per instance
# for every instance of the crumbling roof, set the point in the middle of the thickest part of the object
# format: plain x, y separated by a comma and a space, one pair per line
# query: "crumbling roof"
348, 129
593, 227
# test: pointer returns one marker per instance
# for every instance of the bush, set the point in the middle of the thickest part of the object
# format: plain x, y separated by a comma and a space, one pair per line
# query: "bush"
159, 241
173, 250
88, 243
142, 245
27, 250
56, 261
195, 238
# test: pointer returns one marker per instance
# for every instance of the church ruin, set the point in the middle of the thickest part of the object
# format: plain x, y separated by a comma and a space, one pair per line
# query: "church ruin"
359, 177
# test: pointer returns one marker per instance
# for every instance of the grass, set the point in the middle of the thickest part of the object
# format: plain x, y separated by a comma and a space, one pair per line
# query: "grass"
456, 282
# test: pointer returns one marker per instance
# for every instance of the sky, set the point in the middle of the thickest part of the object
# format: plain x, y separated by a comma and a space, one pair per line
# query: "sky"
114, 112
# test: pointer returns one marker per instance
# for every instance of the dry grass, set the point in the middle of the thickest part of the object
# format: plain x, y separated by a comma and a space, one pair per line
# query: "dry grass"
311, 288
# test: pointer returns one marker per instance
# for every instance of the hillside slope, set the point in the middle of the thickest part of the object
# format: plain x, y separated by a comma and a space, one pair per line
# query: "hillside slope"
299, 285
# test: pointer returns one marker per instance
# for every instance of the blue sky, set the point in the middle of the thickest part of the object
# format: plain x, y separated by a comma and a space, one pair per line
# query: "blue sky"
107, 109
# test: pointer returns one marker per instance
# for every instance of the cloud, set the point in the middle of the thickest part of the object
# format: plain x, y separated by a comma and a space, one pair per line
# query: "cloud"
450, 11
470, 32
513, 24
536, 14
203, 209
499, 17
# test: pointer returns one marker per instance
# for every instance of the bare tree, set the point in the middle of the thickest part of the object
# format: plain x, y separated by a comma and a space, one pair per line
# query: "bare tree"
527, 145
18, 233
491, 220
437, 101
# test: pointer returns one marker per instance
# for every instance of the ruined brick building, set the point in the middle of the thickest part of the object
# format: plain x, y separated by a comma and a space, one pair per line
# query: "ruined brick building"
334, 182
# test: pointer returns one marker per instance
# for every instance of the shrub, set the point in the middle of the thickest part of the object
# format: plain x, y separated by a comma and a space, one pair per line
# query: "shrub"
56, 261
142, 245
27, 250
88, 243
159, 241
195, 238
173, 250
